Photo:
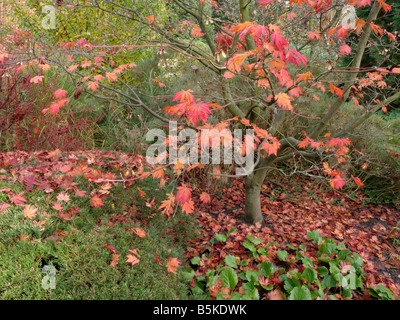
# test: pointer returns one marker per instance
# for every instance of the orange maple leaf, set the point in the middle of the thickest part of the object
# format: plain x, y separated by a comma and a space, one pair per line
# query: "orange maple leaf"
96, 202
198, 111
60, 93
17, 199
336, 90
358, 181
338, 181
114, 260
184, 96
29, 211
316, 34
284, 101
133, 258
304, 76
196, 32
173, 264
111, 248
205, 197
72, 68
111, 76
57, 206
168, 205
139, 232
86, 63
142, 194
93, 85
236, 62
37, 79
56, 105
188, 206
150, 18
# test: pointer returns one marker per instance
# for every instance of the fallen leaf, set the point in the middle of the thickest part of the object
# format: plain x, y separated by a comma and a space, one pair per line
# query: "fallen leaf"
29, 211
173, 264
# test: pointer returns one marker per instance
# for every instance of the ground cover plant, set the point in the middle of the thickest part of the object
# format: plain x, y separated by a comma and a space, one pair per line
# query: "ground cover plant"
53, 214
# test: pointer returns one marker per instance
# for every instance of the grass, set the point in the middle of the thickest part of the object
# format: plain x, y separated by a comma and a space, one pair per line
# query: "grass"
75, 248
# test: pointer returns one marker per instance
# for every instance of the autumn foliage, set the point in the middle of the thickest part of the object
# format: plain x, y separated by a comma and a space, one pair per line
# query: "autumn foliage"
277, 72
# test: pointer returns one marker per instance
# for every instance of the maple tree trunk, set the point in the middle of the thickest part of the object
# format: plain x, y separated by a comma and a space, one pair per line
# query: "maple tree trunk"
254, 182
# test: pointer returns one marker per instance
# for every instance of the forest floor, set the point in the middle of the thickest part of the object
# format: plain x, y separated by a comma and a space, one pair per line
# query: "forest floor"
52, 198
292, 209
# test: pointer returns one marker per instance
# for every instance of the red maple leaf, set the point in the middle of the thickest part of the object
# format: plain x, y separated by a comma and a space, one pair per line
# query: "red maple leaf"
337, 181
17, 199
184, 194
111, 248
198, 111
264, 3
158, 260
60, 93
184, 96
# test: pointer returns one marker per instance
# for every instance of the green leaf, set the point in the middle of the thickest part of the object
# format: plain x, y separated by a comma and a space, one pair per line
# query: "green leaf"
282, 255
329, 282
231, 261
357, 259
250, 290
270, 287
314, 235
195, 260
324, 259
229, 278
323, 271
244, 263
291, 283
261, 251
271, 244
188, 275
220, 237
250, 246
310, 275
343, 254
266, 268
236, 296
252, 275
307, 262
300, 293
256, 241
333, 268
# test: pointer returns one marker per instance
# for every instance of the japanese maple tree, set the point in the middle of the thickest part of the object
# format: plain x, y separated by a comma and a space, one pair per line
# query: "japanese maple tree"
266, 66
